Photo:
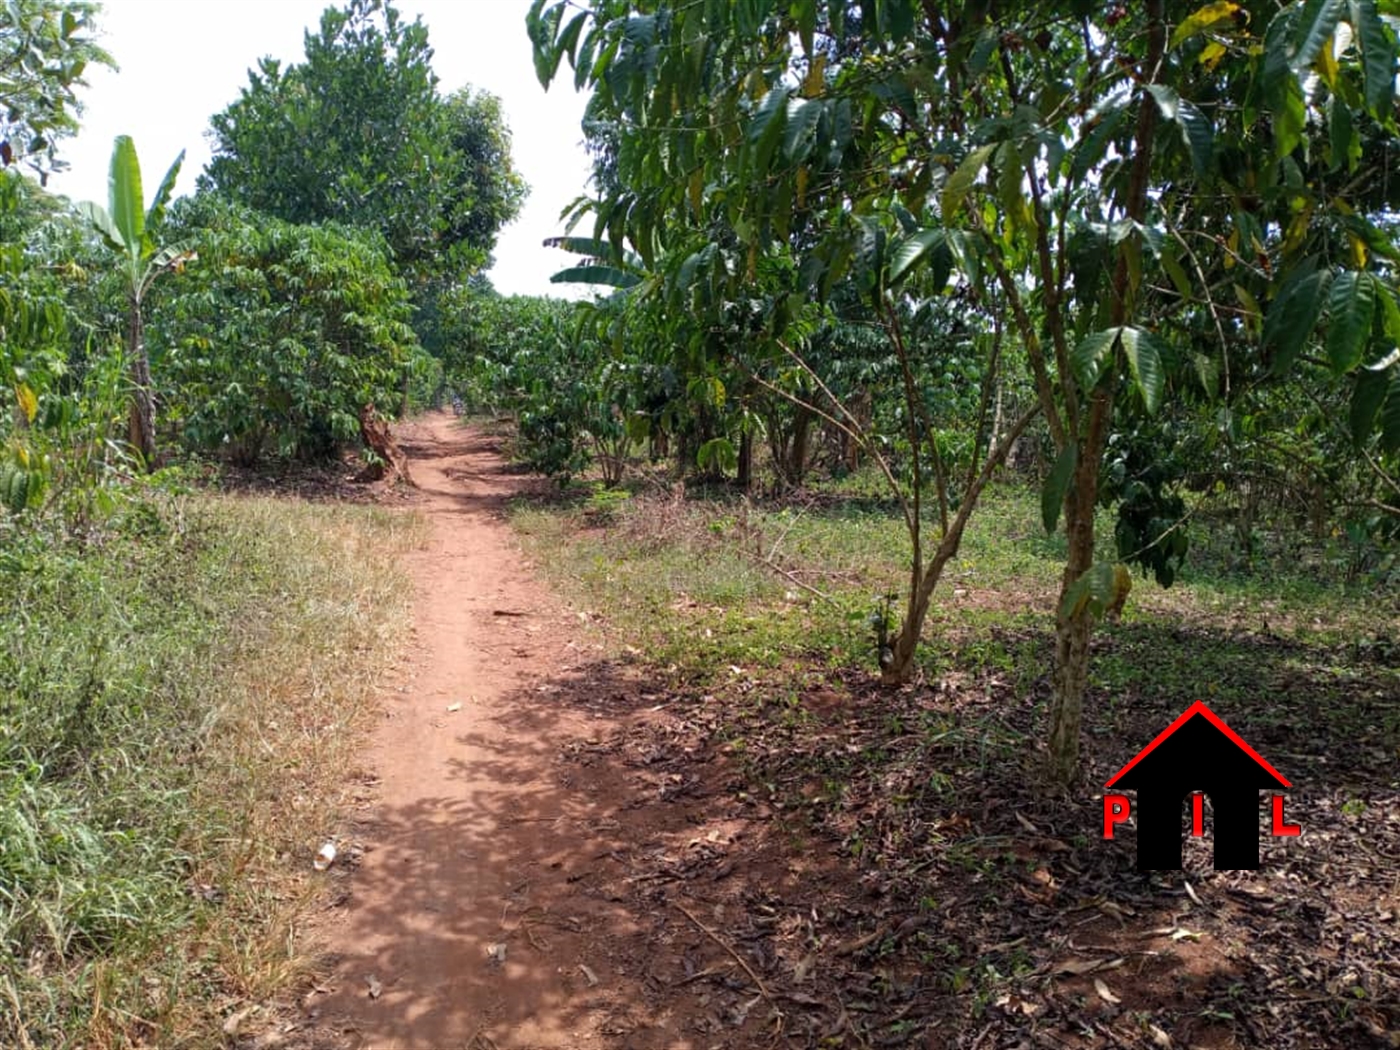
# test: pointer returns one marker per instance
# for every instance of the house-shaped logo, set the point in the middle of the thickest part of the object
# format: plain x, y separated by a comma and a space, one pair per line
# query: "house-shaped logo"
1200, 754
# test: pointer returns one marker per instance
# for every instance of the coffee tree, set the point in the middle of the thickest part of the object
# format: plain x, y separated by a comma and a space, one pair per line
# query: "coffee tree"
1149, 196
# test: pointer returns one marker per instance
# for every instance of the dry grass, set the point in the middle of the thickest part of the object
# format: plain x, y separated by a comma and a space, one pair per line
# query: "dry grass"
250, 635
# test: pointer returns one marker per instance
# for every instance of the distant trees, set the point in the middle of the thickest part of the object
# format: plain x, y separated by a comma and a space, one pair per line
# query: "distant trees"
358, 133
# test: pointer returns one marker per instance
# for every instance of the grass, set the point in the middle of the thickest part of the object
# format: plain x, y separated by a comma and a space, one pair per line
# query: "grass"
180, 696
692, 581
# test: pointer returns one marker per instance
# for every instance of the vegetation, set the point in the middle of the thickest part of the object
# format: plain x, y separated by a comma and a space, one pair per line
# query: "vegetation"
1154, 206
358, 133
141, 860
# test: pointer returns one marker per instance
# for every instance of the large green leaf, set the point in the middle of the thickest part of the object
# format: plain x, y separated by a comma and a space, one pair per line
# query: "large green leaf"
125, 202
1313, 30
1196, 129
1366, 401
101, 221
1291, 318
1144, 353
167, 186
913, 250
1091, 149
802, 117
1351, 308
1052, 493
1086, 359
773, 109
1377, 55
1390, 418
963, 179
609, 276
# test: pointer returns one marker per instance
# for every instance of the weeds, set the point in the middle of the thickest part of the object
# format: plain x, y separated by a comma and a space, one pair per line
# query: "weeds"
178, 696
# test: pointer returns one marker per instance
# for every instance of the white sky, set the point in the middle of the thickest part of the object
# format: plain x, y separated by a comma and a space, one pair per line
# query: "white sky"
184, 60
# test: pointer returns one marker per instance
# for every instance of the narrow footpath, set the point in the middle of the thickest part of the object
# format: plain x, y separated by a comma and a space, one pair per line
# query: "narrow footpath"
486, 910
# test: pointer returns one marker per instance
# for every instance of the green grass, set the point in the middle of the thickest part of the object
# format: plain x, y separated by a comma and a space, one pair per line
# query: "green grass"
686, 580
177, 696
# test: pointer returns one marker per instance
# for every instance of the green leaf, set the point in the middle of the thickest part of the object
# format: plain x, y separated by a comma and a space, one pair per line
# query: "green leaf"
167, 186
962, 180
1390, 418
1292, 317
101, 221
1196, 129
1351, 308
1052, 493
126, 204
568, 39
1086, 359
913, 250
1144, 353
1312, 31
610, 276
1092, 147
1094, 590
1377, 55
772, 108
802, 117
1366, 401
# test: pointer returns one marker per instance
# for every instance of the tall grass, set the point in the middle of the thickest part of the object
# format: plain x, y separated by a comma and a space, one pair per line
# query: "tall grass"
179, 694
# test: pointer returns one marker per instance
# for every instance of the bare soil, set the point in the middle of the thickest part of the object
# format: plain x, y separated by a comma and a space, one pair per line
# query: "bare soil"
556, 850
483, 900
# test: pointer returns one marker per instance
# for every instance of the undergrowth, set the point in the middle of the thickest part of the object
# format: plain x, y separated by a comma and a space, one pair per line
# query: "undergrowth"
179, 691
701, 585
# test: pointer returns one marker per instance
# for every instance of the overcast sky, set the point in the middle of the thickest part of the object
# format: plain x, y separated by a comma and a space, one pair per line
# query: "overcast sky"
184, 60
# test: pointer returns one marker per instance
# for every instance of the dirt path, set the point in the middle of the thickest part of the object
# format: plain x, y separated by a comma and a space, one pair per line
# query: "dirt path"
485, 910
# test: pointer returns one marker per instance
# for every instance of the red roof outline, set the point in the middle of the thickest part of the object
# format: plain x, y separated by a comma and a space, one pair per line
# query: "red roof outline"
1199, 708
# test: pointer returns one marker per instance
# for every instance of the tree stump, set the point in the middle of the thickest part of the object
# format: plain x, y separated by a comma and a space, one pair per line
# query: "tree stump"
389, 461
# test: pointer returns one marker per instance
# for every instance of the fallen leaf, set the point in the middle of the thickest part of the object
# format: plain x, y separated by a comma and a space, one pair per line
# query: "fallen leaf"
454, 707
234, 1020
1160, 1037
1105, 993
1027, 824
375, 988
588, 974
496, 953
1192, 893
1075, 966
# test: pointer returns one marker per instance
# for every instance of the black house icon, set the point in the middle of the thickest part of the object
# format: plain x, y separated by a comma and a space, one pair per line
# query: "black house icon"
1198, 752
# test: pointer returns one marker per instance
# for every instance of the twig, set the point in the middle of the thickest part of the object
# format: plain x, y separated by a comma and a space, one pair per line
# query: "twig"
758, 981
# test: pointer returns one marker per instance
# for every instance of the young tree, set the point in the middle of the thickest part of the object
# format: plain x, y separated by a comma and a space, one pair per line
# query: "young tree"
128, 228
1113, 180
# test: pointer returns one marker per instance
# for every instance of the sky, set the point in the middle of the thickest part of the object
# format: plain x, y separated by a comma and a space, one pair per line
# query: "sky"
184, 60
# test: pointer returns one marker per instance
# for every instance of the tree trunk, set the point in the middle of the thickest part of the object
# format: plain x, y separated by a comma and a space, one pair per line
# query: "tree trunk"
1073, 626
746, 460
1072, 631
391, 462
142, 429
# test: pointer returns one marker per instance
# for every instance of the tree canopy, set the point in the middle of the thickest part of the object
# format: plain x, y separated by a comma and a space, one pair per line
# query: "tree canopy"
45, 49
359, 133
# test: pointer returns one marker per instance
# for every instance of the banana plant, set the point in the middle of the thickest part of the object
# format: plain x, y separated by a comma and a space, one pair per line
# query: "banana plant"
126, 226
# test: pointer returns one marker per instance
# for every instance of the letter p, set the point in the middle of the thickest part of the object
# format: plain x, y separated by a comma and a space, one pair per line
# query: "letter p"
1116, 809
